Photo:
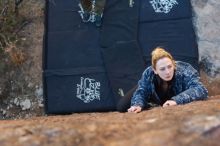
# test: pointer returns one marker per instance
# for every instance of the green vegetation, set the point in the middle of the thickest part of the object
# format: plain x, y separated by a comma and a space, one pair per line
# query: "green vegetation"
10, 24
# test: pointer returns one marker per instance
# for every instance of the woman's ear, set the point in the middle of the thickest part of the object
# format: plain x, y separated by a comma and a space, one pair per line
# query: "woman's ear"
174, 64
155, 71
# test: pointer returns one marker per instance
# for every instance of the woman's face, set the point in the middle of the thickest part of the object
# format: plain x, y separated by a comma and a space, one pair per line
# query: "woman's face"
165, 68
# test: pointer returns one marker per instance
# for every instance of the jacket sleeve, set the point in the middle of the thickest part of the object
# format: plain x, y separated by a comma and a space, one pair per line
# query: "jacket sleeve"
141, 94
195, 90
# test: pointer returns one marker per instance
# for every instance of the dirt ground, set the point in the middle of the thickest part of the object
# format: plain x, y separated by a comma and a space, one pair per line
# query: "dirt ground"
21, 91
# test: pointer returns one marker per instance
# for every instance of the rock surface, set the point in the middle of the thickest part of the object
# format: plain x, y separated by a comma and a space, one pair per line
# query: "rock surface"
194, 124
207, 23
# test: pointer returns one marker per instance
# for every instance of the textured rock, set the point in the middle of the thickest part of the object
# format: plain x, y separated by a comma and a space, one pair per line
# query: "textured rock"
26, 104
207, 22
194, 124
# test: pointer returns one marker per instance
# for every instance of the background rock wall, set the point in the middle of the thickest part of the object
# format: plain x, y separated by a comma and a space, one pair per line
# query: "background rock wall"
207, 26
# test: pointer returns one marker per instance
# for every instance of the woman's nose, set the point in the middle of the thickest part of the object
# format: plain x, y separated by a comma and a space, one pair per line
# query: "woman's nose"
167, 71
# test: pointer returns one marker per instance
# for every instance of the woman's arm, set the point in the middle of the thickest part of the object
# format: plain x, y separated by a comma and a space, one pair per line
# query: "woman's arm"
195, 90
141, 94
134, 109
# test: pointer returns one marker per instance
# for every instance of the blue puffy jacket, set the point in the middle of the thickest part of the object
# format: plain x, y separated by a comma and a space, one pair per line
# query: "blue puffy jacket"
186, 87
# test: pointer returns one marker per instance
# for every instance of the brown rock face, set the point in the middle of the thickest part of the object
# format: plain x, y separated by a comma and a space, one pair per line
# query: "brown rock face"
193, 124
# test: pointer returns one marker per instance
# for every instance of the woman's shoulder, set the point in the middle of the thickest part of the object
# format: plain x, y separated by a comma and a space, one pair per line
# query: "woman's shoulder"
148, 70
185, 68
182, 64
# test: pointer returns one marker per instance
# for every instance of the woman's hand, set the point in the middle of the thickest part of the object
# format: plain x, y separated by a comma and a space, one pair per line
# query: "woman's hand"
169, 103
134, 109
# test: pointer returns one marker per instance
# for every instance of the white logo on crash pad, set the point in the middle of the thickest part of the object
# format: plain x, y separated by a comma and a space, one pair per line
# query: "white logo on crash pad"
88, 90
163, 6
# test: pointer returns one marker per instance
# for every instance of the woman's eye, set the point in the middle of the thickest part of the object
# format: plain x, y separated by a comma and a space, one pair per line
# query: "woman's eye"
162, 69
169, 67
